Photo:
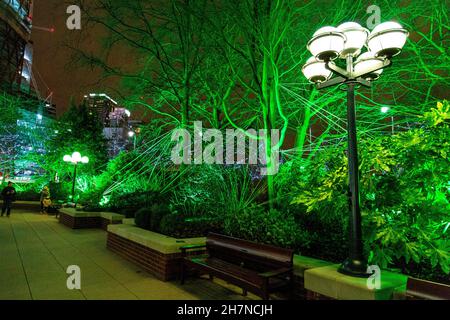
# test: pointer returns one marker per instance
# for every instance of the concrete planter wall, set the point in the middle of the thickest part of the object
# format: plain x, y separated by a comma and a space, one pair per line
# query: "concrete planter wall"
27, 205
85, 220
158, 254
314, 279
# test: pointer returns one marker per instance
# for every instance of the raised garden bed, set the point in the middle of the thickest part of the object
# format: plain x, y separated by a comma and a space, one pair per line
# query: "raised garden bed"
27, 205
314, 279
326, 282
84, 220
158, 254
302, 264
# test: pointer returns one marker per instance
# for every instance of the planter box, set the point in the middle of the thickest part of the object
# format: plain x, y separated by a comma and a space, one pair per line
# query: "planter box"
302, 264
327, 283
158, 254
27, 205
85, 220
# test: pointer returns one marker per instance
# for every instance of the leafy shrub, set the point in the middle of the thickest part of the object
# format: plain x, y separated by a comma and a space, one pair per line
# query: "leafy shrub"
158, 212
272, 227
172, 225
180, 226
60, 191
149, 218
142, 218
127, 212
136, 199
28, 195
404, 194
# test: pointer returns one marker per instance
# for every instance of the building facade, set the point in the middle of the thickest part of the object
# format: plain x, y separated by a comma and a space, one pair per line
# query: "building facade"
26, 117
15, 45
115, 120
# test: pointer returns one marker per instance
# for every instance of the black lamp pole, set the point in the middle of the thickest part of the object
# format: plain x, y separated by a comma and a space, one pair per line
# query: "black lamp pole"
356, 264
74, 180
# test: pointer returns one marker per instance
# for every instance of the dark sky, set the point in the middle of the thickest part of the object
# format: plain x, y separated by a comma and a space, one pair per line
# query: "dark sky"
52, 58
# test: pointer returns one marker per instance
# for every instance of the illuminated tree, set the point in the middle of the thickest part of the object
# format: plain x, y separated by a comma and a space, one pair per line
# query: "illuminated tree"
8, 124
22, 132
238, 64
77, 130
165, 41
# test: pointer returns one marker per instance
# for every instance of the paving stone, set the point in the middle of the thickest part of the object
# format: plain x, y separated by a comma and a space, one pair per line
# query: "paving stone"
36, 250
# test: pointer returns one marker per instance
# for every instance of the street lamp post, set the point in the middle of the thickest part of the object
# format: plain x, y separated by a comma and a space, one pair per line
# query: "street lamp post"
75, 159
346, 42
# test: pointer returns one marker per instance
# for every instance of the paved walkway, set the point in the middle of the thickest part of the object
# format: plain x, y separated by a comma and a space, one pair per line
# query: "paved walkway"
36, 250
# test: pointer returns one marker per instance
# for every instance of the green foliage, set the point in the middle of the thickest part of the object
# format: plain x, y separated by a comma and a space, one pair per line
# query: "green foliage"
144, 198
143, 217
26, 192
213, 190
438, 115
158, 212
404, 194
241, 69
77, 130
180, 226
272, 227
9, 108
150, 218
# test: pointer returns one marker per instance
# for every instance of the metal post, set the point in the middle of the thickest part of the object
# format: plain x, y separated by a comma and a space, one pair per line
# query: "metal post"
392, 125
355, 265
74, 180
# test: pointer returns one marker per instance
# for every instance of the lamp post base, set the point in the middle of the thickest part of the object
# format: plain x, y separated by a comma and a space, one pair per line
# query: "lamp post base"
354, 268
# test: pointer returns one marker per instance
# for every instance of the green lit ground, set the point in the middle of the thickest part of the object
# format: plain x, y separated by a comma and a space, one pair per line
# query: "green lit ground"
36, 250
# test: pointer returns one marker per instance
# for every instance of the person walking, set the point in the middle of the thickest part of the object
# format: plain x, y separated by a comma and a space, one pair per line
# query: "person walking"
9, 196
45, 193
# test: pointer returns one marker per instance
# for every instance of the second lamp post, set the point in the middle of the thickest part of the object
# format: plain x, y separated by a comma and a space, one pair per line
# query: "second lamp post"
75, 159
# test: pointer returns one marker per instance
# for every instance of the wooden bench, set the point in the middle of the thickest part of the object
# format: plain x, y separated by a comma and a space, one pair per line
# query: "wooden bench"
257, 268
417, 289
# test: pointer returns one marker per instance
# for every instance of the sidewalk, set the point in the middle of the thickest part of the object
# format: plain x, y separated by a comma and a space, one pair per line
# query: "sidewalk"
36, 250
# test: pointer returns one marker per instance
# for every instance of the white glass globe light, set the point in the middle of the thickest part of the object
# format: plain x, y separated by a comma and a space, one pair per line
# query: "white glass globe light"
356, 37
85, 160
387, 39
315, 70
327, 43
368, 61
76, 157
67, 158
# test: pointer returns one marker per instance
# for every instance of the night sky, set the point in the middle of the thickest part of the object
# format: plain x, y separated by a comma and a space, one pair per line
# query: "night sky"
52, 58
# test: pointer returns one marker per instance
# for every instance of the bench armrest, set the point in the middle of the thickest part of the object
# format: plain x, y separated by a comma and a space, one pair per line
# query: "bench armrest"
274, 273
184, 249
